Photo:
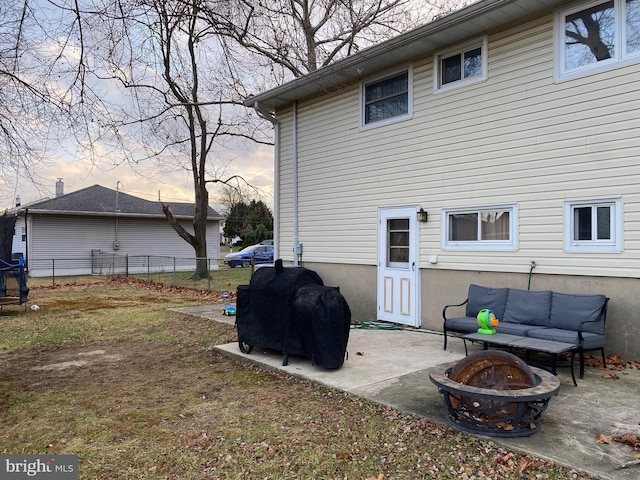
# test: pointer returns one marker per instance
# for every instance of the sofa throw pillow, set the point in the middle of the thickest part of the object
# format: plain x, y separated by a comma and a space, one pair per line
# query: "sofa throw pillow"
568, 310
486, 297
528, 307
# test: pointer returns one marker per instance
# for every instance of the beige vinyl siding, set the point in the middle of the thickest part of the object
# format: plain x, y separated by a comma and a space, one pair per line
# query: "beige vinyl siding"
517, 138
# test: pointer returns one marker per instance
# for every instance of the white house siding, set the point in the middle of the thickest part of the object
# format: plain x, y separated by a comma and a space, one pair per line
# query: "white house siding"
518, 137
71, 241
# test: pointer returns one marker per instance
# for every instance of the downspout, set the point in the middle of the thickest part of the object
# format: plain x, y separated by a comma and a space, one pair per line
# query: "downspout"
276, 175
26, 239
297, 253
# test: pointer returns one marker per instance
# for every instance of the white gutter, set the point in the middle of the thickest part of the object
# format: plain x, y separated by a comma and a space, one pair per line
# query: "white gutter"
276, 175
76, 213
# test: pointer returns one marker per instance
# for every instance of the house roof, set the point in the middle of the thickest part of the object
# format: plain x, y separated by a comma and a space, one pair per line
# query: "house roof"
476, 19
101, 201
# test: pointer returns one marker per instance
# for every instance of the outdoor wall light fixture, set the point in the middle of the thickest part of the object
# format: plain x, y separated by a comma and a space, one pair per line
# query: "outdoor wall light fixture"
422, 216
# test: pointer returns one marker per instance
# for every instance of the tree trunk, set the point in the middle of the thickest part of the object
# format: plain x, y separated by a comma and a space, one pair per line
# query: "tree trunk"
200, 231
199, 240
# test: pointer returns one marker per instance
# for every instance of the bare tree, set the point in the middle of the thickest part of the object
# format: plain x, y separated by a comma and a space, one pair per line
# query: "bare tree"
184, 99
295, 37
45, 97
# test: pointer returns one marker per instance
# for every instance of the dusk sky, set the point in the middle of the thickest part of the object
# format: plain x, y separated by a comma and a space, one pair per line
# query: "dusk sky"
144, 181
67, 159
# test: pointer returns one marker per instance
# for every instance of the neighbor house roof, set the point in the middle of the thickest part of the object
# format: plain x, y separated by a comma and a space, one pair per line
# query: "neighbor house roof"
101, 201
476, 19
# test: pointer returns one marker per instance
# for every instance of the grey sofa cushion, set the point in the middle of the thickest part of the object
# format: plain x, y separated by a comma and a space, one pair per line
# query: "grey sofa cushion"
485, 297
511, 328
569, 310
462, 324
528, 307
591, 340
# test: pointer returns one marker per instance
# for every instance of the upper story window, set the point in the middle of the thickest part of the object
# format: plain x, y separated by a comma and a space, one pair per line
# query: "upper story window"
462, 66
486, 228
593, 225
596, 36
386, 100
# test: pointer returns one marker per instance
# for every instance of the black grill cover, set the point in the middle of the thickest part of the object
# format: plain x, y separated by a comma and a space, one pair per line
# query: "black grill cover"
324, 313
263, 308
275, 311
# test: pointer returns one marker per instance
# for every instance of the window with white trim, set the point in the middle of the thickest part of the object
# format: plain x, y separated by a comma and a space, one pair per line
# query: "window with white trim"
596, 36
484, 228
387, 100
593, 225
462, 66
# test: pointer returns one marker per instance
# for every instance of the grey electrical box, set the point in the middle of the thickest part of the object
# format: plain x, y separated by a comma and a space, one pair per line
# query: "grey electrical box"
298, 249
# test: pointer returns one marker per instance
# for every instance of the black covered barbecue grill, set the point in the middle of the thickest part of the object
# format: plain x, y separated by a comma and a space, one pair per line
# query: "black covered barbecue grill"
290, 310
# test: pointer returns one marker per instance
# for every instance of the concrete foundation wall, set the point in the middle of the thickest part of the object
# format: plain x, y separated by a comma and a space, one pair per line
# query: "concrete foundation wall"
442, 287
357, 284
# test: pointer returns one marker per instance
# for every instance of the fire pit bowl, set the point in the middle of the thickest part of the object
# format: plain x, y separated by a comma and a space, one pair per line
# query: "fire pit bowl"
494, 393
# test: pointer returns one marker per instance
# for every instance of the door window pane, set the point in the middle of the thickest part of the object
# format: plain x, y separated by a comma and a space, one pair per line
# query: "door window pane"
397, 241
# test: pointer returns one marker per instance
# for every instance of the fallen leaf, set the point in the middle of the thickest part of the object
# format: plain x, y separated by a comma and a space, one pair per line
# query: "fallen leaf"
610, 375
602, 438
629, 439
507, 457
523, 463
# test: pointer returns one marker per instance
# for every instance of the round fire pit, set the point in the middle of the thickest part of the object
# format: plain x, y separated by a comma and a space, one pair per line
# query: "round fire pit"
494, 393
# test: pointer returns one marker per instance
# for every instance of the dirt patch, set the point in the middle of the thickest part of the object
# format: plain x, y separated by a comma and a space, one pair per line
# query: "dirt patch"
80, 366
84, 359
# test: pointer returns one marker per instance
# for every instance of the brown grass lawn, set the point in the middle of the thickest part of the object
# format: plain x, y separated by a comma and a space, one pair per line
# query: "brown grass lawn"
106, 371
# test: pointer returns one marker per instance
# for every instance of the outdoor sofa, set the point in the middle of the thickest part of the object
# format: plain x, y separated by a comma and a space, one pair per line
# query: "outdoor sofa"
547, 315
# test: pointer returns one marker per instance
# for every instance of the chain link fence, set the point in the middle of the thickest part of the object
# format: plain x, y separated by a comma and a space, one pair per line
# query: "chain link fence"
176, 271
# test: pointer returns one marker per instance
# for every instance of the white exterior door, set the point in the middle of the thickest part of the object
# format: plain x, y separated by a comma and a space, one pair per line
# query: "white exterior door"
398, 276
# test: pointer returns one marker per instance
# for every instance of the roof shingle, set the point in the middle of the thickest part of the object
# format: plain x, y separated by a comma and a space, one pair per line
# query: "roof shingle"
99, 200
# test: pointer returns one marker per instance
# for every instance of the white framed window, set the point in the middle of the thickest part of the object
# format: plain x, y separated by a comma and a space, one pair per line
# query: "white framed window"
595, 36
480, 228
465, 65
593, 225
387, 99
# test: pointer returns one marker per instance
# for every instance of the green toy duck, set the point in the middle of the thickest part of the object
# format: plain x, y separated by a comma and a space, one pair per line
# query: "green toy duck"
487, 320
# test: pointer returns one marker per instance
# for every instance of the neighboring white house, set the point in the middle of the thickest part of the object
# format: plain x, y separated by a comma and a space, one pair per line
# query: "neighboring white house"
513, 124
99, 230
